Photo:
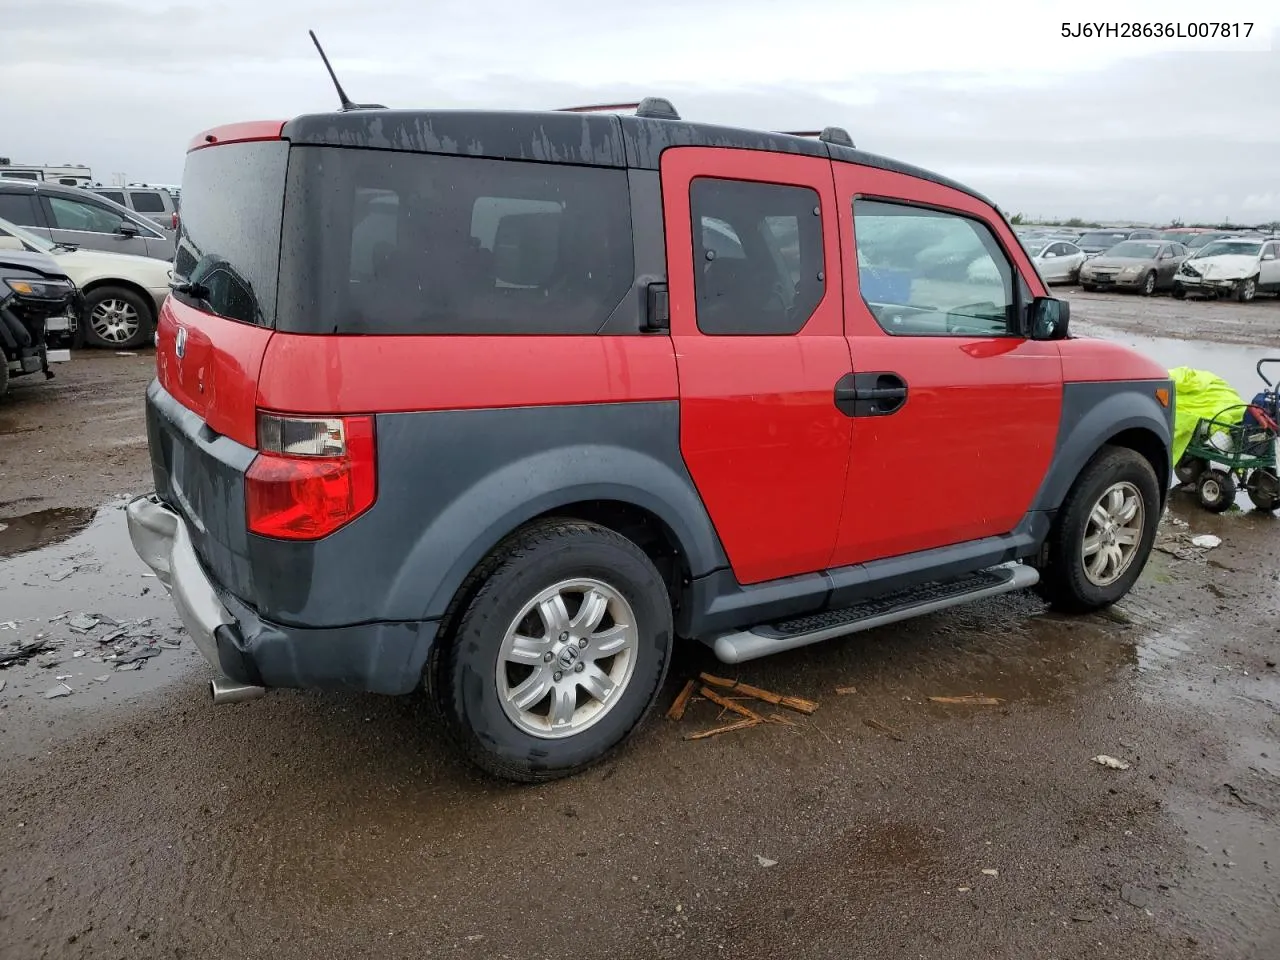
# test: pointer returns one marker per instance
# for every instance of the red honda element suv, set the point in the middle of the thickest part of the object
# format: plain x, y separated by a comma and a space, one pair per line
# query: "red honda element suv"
507, 404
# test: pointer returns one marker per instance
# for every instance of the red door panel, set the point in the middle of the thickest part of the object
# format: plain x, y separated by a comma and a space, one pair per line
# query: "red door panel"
963, 457
761, 436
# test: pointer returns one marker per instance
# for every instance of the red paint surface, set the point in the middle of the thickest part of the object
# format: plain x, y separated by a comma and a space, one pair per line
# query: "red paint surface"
759, 430
965, 456
376, 374
237, 133
217, 376
1088, 359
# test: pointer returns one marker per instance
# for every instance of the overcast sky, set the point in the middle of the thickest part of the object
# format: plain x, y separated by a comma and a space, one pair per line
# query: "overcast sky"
988, 92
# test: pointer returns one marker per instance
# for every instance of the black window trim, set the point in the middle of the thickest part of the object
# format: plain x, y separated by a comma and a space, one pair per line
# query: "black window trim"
693, 250
1020, 285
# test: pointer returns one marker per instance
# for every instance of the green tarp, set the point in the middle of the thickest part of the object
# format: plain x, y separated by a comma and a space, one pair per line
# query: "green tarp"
1199, 393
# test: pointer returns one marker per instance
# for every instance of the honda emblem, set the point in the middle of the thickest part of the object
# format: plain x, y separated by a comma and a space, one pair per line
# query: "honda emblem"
180, 343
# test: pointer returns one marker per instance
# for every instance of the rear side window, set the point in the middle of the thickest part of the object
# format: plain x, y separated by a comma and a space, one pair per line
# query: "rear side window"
757, 257
229, 241
82, 216
19, 208
382, 242
926, 272
147, 201
115, 196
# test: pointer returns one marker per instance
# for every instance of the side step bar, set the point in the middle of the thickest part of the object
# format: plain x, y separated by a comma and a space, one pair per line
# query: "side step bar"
789, 634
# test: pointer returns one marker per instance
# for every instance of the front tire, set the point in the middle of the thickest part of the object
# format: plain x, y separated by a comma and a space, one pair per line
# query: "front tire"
117, 318
1216, 490
1103, 533
1088, 287
1149, 284
1179, 292
558, 656
1247, 290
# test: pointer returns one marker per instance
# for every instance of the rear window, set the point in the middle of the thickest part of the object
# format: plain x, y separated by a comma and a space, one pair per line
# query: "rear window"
115, 196
147, 202
229, 240
382, 242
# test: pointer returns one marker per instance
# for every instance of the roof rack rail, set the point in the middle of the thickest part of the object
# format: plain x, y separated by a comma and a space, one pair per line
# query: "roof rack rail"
654, 108
837, 135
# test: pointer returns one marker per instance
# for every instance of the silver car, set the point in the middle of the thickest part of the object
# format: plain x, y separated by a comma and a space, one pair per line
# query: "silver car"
154, 203
72, 215
1141, 265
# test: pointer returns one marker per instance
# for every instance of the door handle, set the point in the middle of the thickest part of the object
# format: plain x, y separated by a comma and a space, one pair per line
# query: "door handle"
875, 394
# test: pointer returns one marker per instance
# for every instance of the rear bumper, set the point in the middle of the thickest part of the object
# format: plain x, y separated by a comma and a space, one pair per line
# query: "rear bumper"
376, 658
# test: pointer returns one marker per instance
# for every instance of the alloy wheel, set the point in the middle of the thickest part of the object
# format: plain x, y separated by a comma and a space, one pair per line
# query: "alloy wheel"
115, 320
1113, 533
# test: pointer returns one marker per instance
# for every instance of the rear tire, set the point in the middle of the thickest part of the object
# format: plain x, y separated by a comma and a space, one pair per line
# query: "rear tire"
1216, 490
117, 319
512, 655
1264, 490
1103, 534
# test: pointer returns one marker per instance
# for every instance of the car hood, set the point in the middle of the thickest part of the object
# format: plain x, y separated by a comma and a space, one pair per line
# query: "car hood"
85, 265
41, 263
1120, 262
1225, 267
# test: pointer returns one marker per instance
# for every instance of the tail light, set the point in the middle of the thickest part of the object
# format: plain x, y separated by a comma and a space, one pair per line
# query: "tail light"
312, 475
174, 219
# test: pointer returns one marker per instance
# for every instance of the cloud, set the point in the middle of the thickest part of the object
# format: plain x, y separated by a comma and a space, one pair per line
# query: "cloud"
990, 94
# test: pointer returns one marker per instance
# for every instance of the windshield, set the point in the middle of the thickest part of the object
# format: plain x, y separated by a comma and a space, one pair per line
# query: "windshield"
1138, 249
1200, 239
1034, 245
36, 243
1104, 239
1230, 248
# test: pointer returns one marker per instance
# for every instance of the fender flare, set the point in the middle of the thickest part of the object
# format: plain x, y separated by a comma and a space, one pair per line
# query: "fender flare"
467, 529
1080, 437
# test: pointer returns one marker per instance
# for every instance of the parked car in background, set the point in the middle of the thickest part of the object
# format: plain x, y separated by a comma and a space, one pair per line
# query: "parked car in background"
1196, 241
34, 291
122, 293
1059, 261
72, 215
1239, 267
1142, 265
155, 203
1094, 242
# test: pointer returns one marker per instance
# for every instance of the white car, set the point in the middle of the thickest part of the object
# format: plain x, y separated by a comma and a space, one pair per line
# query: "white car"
1239, 267
122, 292
1059, 261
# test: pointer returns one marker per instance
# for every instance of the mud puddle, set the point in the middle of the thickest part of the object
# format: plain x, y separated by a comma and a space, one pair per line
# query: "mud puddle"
96, 623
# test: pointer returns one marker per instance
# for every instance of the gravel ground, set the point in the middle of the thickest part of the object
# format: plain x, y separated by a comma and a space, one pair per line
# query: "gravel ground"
140, 821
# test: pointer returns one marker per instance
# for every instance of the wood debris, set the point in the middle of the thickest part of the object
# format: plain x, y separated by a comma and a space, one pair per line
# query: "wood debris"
845, 691
883, 728
681, 701
971, 700
798, 704
693, 691
727, 728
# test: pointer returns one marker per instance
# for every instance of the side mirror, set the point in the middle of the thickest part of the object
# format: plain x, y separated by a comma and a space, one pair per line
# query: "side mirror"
1047, 318
1050, 255
127, 229
1268, 256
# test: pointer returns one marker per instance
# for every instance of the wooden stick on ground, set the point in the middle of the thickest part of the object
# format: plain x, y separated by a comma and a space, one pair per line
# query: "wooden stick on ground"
730, 704
884, 728
798, 704
676, 712
970, 700
727, 728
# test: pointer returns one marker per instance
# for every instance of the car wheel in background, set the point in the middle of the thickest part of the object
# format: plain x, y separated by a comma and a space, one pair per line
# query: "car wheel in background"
1247, 289
1179, 292
117, 318
1088, 287
1149, 283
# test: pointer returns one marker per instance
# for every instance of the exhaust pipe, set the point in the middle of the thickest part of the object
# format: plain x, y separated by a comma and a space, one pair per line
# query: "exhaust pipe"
224, 690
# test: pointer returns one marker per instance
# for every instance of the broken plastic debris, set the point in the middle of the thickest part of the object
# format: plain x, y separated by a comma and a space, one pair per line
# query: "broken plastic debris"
82, 622
8, 624
1111, 763
63, 676
989, 872
135, 665
61, 690
142, 653
78, 653
104, 678
60, 575
765, 861
1206, 541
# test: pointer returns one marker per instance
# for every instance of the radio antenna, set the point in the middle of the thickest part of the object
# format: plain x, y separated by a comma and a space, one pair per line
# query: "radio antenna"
342, 94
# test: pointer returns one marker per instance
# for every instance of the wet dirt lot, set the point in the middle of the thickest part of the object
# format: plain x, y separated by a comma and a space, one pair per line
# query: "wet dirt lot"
136, 820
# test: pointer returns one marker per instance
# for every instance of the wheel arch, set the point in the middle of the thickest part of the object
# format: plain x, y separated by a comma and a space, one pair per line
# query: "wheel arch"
1097, 415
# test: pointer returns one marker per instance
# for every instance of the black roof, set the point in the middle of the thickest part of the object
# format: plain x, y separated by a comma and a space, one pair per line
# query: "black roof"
591, 139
